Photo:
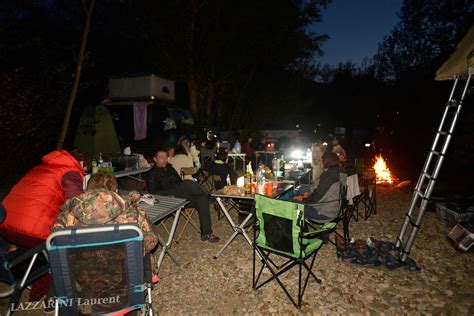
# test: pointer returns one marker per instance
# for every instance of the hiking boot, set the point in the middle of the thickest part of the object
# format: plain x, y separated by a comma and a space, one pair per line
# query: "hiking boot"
210, 238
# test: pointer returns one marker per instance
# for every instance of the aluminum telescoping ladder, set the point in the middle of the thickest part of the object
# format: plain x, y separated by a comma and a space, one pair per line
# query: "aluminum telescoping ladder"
430, 170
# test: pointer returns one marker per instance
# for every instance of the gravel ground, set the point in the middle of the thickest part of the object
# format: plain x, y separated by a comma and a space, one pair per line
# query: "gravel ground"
203, 285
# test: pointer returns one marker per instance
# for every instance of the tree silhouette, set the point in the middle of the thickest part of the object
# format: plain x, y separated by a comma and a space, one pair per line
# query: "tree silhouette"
427, 33
219, 48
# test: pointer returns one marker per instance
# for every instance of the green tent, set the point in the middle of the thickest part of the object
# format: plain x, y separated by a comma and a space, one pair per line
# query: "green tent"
96, 132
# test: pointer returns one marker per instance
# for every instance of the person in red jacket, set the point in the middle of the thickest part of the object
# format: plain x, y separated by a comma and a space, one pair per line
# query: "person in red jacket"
33, 204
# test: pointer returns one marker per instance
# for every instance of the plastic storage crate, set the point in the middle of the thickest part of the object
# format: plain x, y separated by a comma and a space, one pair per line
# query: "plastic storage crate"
450, 217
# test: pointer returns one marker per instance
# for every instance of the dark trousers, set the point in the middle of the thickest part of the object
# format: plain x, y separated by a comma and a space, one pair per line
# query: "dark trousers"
198, 198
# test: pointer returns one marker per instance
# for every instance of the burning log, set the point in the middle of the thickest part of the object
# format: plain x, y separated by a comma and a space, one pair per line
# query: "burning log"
383, 174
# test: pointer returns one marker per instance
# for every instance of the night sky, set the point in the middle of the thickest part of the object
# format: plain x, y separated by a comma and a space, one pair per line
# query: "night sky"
355, 28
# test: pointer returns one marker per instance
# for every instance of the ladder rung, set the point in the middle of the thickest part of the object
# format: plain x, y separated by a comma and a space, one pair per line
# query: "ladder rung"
428, 176
444, 133
434, 152
420, 194
453, 103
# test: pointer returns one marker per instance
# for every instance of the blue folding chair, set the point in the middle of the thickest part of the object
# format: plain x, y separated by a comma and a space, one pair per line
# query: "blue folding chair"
19, 268
99, 270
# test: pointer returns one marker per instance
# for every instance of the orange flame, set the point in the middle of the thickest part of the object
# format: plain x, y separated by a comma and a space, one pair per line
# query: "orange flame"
382, 171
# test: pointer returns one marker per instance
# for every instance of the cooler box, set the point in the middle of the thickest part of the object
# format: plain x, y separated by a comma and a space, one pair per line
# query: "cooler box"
451, 217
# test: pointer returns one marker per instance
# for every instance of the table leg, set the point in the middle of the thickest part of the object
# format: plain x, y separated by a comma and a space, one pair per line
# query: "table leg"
238, 229
168, 252
170, 239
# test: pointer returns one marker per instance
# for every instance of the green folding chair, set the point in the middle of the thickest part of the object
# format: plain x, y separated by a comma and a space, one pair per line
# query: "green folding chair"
281, 233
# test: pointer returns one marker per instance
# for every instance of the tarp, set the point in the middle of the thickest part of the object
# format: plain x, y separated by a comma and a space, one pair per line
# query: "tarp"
96, 132
460, 60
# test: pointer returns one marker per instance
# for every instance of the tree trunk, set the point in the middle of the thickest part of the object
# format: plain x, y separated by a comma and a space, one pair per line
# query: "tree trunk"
80, 61
210, 102
193, 98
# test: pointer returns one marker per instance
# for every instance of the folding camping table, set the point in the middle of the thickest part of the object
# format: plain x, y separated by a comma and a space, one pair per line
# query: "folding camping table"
164, 207
130, 173
240, 228
235, 157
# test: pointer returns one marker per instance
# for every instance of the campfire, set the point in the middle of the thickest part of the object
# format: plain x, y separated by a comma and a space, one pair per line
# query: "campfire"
383, 174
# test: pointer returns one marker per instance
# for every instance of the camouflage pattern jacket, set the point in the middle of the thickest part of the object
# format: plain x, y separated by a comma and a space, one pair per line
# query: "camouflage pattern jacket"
100, 206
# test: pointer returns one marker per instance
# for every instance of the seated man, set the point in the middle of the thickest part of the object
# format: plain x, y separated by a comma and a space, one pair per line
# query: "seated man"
164, 180
326, 210
220, 168
100, 204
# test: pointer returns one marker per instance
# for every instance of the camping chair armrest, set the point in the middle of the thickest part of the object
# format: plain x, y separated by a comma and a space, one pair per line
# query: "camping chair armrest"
188, 171
27, 254
325, 228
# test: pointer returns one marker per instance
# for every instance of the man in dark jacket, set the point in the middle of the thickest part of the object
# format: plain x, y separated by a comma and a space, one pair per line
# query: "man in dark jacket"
164, 180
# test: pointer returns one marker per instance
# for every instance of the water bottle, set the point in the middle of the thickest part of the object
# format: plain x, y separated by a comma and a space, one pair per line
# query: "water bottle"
227, 180
275, 166
95, 167
100, 161
261, 186
237, 147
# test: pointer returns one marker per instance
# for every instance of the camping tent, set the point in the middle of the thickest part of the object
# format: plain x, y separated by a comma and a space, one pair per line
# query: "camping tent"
96, 132
461, 61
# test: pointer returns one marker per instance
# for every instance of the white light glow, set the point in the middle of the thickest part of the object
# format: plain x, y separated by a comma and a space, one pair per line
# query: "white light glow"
240, 182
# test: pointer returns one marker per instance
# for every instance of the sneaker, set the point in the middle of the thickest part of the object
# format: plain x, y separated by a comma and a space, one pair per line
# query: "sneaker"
210, 238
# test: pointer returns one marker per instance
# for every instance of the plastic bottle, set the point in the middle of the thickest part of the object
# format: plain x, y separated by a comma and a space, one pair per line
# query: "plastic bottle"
100, 161
261, 186
237, 147
227, 180
275, 166
95, 168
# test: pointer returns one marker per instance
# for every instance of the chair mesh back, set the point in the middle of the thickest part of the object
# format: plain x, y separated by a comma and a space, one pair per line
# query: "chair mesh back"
278, 232
97, 273
278, 223
99, 276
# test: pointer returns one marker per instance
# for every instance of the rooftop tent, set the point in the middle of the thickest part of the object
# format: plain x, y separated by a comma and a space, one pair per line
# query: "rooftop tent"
461, 61
96, 132
141, 88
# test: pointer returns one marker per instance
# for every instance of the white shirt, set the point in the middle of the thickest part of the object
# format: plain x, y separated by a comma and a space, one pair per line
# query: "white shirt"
181, 161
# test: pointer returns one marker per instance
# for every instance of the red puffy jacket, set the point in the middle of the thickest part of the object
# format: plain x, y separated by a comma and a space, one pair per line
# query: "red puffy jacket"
34, 203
